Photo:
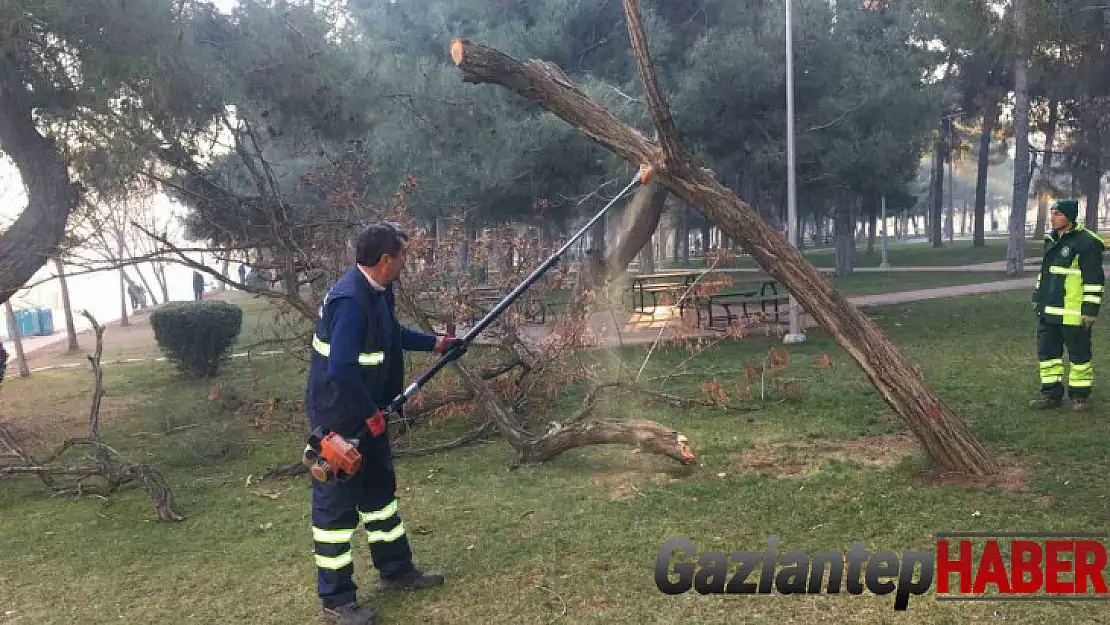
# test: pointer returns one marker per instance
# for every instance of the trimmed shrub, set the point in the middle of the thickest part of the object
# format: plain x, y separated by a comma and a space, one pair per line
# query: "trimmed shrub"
196, 336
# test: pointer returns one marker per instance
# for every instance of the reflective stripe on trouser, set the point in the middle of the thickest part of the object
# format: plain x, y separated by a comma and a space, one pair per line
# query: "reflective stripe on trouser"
1051, 340
367, 499
385, 532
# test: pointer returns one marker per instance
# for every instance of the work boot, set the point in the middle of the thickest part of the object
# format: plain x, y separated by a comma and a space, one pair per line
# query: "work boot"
348, 614
1081, 404
1042, 403
413, 580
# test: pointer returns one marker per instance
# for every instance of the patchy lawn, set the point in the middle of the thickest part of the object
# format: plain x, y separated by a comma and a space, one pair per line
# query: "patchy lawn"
821, 462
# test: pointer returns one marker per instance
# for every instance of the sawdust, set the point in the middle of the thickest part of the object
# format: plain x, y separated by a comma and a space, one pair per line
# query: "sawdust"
798, 458
1010, 477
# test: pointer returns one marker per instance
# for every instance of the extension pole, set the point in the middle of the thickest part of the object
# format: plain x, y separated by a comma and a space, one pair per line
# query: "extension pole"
395, 406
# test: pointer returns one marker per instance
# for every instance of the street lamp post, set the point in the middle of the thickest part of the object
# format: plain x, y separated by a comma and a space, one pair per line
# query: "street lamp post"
795, 335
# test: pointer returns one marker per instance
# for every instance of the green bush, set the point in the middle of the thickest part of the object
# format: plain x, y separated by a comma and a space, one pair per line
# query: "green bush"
196, 336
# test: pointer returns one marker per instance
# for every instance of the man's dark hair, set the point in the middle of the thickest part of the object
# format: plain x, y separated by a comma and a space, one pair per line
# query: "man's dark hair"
378, 239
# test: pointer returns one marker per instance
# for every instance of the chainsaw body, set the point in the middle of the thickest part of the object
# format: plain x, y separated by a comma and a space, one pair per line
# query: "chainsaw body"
331, 457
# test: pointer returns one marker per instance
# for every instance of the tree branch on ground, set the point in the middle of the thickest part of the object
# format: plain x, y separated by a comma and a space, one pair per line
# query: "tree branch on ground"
109, 465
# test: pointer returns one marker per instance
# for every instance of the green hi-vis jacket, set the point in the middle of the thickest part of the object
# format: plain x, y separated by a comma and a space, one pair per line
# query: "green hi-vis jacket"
1071, 279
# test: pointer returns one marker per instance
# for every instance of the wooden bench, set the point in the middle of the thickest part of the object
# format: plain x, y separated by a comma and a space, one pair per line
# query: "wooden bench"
676, 288
730, 300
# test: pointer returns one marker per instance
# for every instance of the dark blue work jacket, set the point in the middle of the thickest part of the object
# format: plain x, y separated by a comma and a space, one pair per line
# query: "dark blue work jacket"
357, 366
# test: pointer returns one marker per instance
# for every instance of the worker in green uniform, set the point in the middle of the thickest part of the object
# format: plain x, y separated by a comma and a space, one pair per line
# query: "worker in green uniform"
1066, 297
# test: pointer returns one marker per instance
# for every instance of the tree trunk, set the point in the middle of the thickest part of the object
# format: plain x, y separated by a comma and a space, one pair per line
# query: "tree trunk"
685, 234
990, 118
1091, 116
123, 279
1093, 179
641, 220
949, 227
1015, 251
71, 329
946, 438
163, 284
872, 222
845, 237
598, 236
20, 357
1046, 171
679, 218
51, 197
935, 218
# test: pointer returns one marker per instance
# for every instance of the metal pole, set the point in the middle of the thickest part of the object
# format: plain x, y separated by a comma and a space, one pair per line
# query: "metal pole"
885, 264
795, 335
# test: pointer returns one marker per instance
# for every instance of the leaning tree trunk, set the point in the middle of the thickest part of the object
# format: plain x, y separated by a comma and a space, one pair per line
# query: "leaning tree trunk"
33, 238
945, 437
1015, 251
67, 309
640, 222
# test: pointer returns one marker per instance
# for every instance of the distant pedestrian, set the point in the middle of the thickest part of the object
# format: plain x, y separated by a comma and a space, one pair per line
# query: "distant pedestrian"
242, 274
198, 285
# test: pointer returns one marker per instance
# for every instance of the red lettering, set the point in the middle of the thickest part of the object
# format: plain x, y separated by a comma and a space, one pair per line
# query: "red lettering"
991, 570
1019, 566
946, 567
1054, 566
1092, 570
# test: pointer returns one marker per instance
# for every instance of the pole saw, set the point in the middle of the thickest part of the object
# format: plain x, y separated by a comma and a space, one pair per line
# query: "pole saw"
331, 457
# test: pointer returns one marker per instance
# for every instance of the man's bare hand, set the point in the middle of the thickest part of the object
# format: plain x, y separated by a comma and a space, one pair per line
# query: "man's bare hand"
1088, 320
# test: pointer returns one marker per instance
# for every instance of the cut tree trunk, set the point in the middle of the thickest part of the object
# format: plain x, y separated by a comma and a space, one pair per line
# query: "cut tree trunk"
33, 238
67, 309
945, 437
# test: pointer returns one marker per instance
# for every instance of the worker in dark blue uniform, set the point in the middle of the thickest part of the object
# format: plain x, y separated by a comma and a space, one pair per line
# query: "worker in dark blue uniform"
356, 370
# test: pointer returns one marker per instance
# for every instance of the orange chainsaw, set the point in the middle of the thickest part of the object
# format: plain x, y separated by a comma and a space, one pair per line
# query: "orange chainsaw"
331, 457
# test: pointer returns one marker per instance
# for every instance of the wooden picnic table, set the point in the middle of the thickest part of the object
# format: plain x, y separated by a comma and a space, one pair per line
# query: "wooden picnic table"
680, 281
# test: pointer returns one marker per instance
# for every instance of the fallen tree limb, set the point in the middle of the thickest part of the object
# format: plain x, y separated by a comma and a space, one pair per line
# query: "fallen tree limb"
947, 439
109, 464
646, 435
642, 435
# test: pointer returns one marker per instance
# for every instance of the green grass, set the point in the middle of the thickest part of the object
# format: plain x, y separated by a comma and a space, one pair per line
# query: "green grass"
579, 531
902, 255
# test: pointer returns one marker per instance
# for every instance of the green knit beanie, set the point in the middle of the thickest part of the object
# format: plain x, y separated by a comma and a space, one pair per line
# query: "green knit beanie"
1070, 209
